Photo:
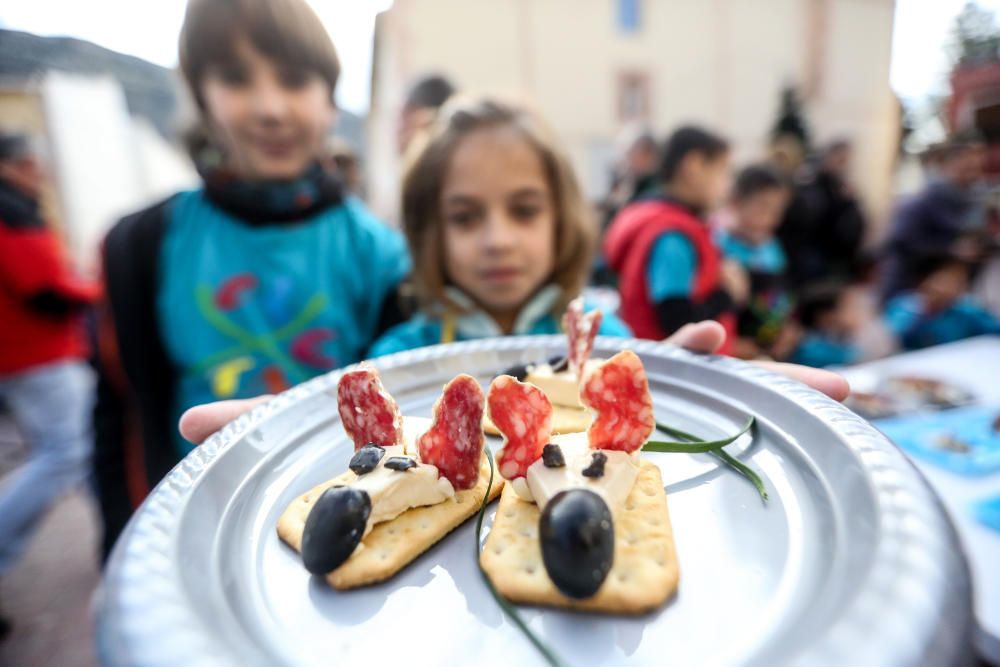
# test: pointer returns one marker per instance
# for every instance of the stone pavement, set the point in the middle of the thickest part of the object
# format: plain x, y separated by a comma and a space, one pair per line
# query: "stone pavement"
48, 594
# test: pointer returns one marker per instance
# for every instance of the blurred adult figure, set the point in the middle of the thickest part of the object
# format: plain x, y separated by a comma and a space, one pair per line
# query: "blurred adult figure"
45, 381
342, 159
786, 153
635, 169
633, 177
822, 237
943, 217
425, 97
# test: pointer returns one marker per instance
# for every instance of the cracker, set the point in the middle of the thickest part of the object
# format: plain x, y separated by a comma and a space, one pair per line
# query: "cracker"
564, 420
645, 571
391, 545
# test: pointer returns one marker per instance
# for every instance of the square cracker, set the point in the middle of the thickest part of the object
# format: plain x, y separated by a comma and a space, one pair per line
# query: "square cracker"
644, 573
564, 420
391, 545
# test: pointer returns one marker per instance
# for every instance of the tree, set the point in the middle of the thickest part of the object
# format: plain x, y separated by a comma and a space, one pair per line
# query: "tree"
975, 36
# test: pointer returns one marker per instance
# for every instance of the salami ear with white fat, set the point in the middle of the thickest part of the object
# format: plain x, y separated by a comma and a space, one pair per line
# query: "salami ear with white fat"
368, 412
523, 415
618, 394
581, 329
454, 443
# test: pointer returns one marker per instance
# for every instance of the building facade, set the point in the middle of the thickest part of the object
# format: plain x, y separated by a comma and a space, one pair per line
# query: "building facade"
593, 66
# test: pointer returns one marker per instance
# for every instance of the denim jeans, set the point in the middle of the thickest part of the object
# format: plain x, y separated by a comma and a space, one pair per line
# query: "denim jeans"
51, 405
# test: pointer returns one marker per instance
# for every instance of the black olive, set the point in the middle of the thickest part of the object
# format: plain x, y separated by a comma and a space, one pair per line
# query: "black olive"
334, 527
518, 371
400, 463
596, 467
559, 364
552, 456
366, 458
577, 537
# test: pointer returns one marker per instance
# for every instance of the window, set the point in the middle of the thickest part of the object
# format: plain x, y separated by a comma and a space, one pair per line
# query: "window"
629, 15
633, 97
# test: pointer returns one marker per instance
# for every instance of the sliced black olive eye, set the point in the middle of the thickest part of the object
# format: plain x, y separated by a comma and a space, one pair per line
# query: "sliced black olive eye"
577, 537
559, 364
400, 463
366, 458
596, 468
518, 371
552, 456
335, 525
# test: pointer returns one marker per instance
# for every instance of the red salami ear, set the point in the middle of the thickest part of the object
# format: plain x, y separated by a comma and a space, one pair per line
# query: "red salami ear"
581, 329
455, 440
523, 414
368, 412
618, 392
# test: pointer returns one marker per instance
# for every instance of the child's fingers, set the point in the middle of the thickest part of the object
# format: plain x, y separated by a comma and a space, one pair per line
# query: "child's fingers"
706, 336
831, 384
202, 421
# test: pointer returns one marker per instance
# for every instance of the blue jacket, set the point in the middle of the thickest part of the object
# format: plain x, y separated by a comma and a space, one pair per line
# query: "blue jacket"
927, 224
535, 318
906, 317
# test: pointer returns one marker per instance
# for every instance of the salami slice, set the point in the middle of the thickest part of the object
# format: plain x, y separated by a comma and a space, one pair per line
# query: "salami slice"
581, 329
367, 410
523, 414
618, 392
455, 440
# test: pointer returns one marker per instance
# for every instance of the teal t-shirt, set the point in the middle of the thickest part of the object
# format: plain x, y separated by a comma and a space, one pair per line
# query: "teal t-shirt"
767, 257
820, 350
906, 316
671, 268
245, 310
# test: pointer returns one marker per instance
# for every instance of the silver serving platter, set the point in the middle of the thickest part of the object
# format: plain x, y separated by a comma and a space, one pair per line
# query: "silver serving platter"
851, 562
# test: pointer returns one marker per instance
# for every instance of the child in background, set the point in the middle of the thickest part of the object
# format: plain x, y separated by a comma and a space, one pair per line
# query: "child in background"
669, 267
760, 195
832, 315
267, 275
501, 236
940, 309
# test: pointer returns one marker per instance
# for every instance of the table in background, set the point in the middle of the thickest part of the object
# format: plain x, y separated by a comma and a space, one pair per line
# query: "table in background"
975, 365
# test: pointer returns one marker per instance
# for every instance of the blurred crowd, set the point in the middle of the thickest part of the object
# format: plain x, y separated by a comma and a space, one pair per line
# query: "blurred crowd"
274, 271
795, 269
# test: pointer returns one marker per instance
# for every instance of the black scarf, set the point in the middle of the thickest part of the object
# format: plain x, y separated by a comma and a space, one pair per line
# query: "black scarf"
272, 202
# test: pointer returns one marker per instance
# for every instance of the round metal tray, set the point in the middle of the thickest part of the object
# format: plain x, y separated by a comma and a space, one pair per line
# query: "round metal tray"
851, 562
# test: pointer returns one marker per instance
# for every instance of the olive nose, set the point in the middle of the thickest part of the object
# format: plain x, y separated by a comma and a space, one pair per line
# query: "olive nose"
334, 528
577, 536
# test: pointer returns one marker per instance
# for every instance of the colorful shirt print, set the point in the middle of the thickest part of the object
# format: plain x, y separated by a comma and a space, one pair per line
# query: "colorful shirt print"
247, 310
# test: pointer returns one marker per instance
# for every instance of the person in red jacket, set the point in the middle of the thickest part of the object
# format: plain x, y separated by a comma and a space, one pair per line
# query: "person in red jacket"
45, 381
670, 272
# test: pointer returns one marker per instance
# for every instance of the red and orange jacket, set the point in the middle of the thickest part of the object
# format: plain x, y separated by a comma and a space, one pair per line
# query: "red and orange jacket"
627, 247
41, 300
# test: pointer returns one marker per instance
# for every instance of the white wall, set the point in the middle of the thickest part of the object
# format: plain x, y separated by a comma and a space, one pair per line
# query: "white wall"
104, 165
721, 63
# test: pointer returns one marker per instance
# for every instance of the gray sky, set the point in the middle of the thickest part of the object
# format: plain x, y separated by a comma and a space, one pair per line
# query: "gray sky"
149, 28
920, 35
